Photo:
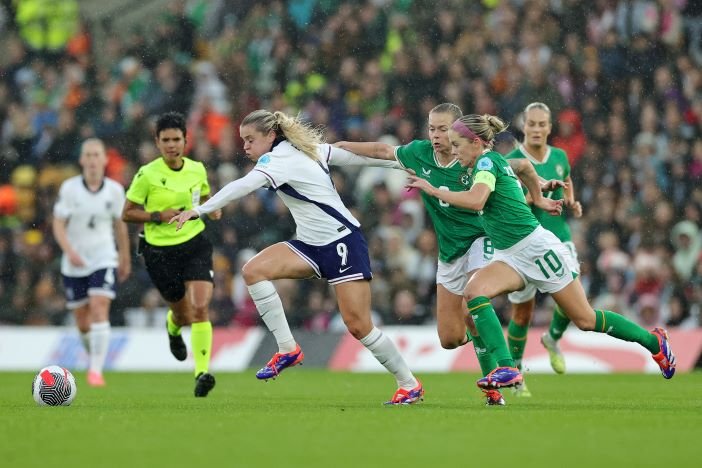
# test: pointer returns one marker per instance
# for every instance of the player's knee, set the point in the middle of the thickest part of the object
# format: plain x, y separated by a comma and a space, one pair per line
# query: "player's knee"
471, 292
357, 327
251, 273
521, 317
584, 322
452, 341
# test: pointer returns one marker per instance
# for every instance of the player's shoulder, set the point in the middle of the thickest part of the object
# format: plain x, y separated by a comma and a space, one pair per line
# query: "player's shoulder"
488, 160
420, 147
113, 185
154, 167
558, 153
72, 183
516, 153
194, 165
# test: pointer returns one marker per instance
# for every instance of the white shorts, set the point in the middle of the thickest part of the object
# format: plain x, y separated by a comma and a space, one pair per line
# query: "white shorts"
543, 261
453, 276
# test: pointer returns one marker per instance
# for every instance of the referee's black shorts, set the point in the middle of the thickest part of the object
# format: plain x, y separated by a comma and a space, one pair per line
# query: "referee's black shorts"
171, 266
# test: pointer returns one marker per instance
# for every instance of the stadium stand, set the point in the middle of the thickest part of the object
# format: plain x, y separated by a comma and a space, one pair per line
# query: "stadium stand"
623, 78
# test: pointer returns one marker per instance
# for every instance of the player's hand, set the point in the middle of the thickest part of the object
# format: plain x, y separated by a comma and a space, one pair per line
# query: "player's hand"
576, 208
215, 215
170, 213
75, 259
552, 207
182, 218
417, 182
551, 185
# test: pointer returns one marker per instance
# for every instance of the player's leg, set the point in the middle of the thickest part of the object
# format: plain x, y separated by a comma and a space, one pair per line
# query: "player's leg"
76, 293
450, 318
101, 292
100, 331
354, 299
82, 318
522, 312
455, 328
549, 340
165, 266
573, 302
199, 294
523, 302
197, 277
276, 262
493, 280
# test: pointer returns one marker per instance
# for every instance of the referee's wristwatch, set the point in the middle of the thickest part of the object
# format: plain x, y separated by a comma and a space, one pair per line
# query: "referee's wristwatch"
156, 217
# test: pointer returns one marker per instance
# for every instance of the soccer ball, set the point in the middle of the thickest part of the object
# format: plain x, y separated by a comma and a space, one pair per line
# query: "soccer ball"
54, 386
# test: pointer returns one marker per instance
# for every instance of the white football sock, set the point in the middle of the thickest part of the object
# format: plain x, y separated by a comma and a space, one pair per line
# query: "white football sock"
99, 344
270, 308
385, 351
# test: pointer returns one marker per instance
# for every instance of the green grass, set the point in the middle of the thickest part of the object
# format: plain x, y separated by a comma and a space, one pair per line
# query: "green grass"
311, 418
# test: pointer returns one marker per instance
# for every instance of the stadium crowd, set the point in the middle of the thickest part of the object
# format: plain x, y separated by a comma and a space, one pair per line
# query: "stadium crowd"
622, 78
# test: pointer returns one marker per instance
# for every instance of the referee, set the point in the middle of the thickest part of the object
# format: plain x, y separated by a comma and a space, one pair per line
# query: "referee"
178, 262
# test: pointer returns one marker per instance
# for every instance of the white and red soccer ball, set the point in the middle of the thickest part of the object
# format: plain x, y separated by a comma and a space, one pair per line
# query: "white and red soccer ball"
54, 386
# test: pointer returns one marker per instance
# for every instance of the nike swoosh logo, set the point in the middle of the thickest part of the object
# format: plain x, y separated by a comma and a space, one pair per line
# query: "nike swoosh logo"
341, 270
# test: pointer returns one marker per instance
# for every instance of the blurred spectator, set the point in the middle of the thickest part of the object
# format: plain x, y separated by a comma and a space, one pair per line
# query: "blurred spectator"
622, 78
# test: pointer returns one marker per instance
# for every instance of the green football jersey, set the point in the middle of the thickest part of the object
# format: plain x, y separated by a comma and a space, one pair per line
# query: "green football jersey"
506, 215
456, 228
158, 188
554, 166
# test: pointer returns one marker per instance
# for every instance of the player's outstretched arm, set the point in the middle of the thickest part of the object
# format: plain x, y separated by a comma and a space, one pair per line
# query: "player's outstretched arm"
474, 199
527, 174
341, 157
373, 150
232, 191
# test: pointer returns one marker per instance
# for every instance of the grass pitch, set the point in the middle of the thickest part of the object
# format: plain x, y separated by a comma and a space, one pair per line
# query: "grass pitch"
313, 418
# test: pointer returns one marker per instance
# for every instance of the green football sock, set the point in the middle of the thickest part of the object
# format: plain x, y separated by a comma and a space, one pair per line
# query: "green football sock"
490, 330
516, 340
559, 324
469, 337
173, 329
618, 326
201, 343
487, 362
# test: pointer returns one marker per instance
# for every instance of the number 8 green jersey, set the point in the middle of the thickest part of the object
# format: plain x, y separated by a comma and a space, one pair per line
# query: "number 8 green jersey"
456, 228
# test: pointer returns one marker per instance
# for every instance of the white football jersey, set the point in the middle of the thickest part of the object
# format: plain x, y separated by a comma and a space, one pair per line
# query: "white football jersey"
90, 225
306, 188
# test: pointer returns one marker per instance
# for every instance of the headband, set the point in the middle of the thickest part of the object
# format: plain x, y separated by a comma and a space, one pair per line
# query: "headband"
462, 129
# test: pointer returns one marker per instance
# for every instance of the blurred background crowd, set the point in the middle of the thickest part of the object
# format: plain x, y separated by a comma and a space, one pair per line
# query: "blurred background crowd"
622, 78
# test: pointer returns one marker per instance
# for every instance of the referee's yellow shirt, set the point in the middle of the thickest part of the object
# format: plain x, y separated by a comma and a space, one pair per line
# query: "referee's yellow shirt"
158, 187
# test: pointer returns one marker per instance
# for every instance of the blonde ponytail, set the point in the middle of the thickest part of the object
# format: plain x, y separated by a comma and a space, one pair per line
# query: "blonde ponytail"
301, 135
484, 127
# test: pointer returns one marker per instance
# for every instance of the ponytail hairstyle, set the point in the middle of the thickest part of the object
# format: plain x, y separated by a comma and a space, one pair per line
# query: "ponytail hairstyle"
301, 135
483, 127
